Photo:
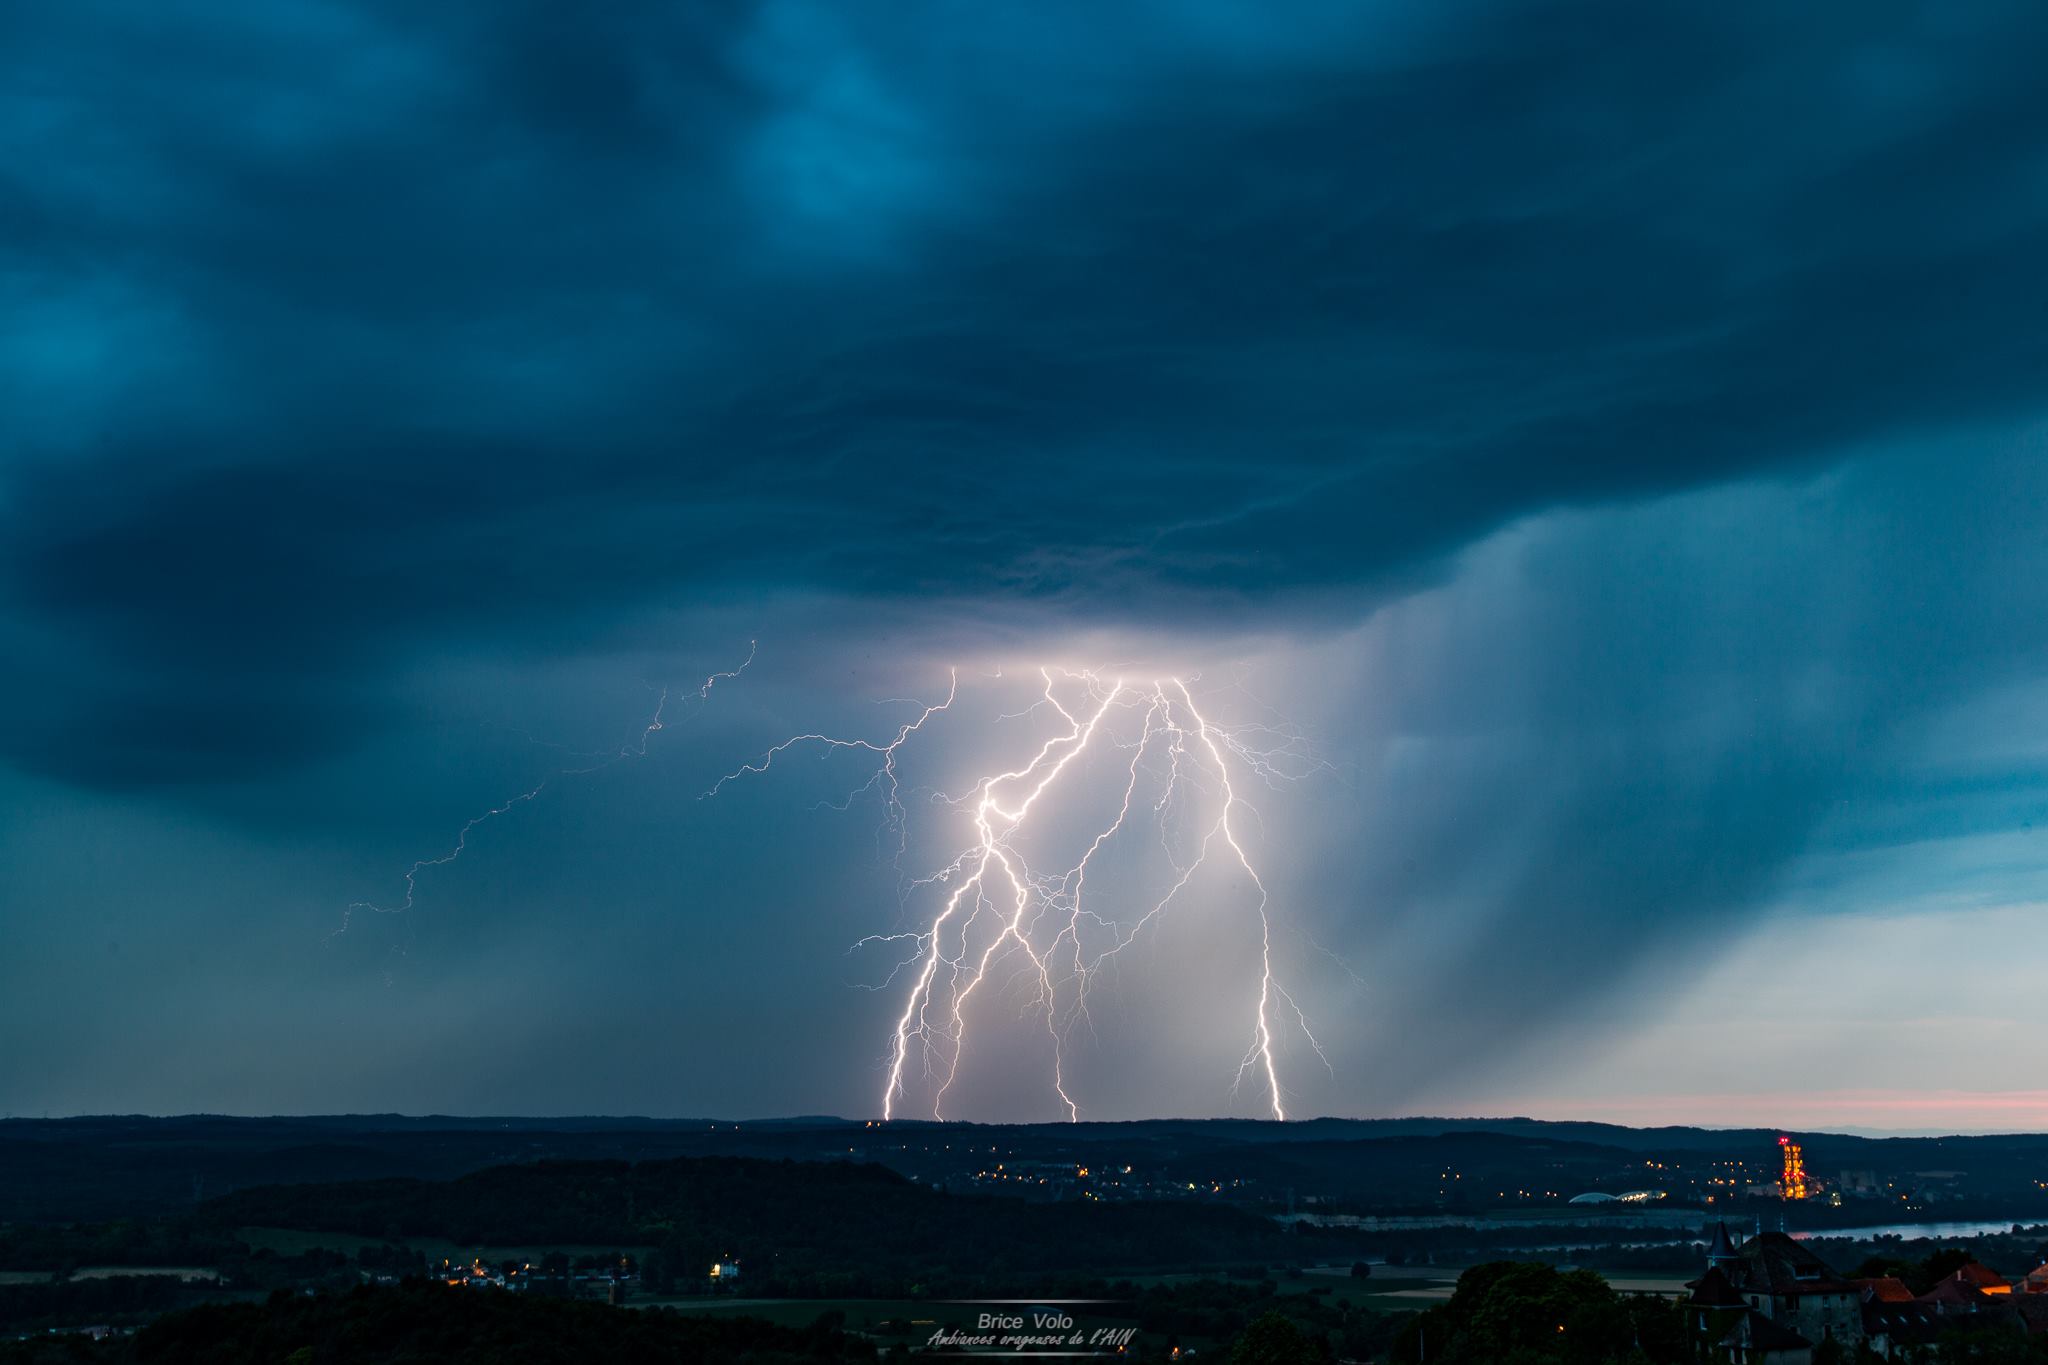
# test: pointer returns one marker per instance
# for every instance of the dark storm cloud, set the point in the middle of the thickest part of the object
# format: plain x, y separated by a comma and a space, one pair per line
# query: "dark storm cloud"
359, 331
1614, 737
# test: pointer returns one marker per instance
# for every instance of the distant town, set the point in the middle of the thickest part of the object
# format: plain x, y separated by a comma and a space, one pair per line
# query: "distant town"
1360, 1241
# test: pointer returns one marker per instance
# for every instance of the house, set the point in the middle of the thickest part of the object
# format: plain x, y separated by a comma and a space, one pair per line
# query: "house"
1893, 1328
1756, 1340
1770, 1301
1953, 1297
1794, 1288
1982, 1278
1885, 1289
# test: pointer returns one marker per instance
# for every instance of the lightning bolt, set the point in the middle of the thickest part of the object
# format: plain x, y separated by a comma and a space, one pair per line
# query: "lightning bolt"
993, 906
635, 748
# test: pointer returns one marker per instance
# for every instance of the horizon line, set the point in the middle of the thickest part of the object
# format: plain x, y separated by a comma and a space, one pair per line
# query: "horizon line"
1874, 1132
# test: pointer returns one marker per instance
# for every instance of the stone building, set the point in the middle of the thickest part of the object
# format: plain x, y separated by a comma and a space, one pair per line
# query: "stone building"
1771, 1301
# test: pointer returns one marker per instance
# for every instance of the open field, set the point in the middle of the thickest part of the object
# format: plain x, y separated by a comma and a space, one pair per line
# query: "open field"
188, 1273
1627, 1282
108, 1272
292, 1242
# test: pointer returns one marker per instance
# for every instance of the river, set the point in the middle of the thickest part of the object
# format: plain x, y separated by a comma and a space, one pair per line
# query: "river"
1912, 1230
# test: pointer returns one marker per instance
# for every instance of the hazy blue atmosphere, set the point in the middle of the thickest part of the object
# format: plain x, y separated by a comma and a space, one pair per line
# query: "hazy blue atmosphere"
1604, 444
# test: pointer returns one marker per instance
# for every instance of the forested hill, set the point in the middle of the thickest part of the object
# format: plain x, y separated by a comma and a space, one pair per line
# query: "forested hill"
796, 1217
98, 1169
420, 1321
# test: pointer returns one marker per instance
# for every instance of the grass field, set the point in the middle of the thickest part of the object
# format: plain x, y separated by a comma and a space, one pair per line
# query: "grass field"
1389, 1288
292, 1242
108, 1272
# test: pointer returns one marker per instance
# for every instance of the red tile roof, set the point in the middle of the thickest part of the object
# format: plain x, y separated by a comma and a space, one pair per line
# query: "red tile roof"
1886, 1289
1953, 1295
1983, 1277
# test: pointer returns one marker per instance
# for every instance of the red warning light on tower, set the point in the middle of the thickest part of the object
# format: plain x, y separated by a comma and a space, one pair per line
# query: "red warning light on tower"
1793, 1179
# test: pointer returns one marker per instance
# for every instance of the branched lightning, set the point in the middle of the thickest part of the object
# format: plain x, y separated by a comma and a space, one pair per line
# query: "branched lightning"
998, 921
634, 748
993, 906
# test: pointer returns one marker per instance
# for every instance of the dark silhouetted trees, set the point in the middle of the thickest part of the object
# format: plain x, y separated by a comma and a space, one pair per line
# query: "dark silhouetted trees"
1523, 1313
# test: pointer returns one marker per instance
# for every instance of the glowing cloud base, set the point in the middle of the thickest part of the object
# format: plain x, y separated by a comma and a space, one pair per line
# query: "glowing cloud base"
994, 911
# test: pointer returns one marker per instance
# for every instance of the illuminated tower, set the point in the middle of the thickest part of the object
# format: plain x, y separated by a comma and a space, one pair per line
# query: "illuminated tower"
1793, 1181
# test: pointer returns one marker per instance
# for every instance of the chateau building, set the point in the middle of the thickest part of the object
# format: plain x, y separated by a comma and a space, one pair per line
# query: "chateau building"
1771, 1301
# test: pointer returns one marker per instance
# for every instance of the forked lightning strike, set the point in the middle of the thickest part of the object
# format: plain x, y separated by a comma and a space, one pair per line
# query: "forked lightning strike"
633, 749
996, 906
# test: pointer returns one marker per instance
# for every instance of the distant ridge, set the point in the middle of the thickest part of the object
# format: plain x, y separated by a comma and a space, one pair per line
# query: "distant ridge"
1663, 1138
122, 1166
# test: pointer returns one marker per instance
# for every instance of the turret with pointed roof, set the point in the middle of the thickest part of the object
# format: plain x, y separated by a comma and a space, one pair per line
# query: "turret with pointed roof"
1721, 1253
1771, 1289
